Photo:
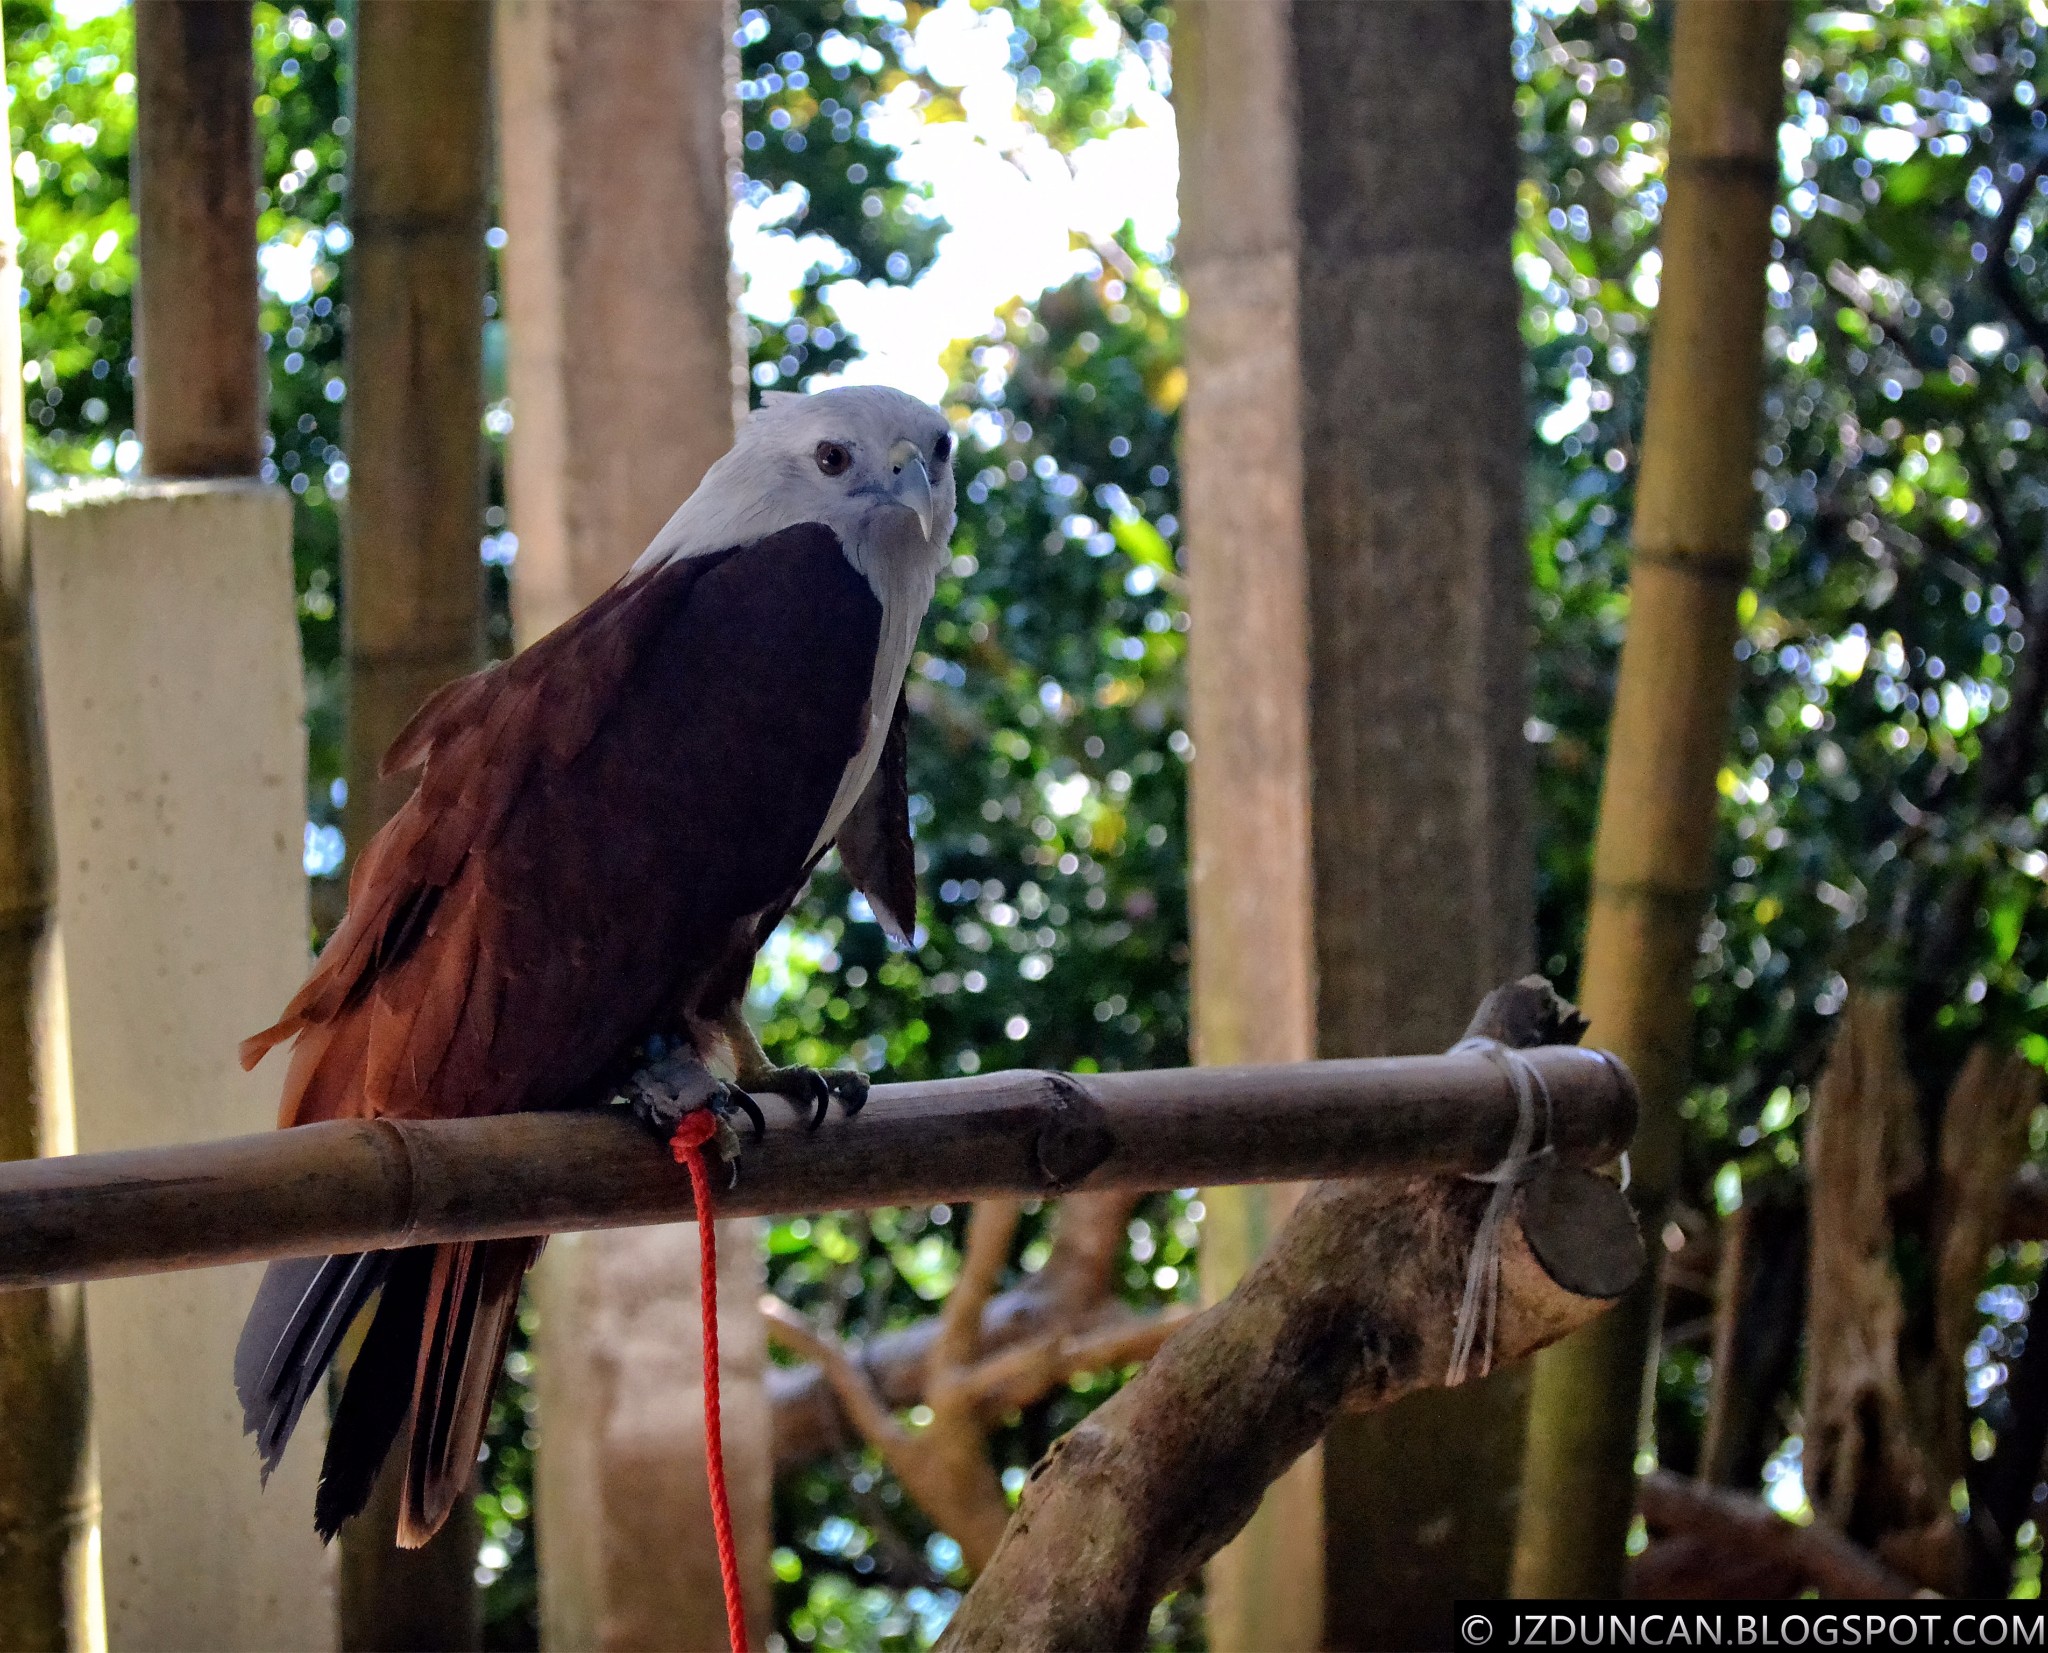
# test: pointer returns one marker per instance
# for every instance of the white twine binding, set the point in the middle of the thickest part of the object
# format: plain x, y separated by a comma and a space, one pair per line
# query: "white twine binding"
1479, 1308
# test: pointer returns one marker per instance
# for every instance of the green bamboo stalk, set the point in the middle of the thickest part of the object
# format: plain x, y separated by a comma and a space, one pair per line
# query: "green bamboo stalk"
413, 587
1653, 856
48, 1586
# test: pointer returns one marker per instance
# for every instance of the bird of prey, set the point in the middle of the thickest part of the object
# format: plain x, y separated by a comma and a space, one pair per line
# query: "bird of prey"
605, 830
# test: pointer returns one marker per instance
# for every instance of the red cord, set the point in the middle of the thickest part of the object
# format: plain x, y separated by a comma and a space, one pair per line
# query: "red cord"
688, 1147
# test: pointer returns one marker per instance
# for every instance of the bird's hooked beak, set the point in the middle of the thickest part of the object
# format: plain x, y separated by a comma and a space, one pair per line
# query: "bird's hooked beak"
911, 484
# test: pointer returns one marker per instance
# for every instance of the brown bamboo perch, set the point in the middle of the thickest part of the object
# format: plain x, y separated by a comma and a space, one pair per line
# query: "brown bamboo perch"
1352, 1305
357, 1185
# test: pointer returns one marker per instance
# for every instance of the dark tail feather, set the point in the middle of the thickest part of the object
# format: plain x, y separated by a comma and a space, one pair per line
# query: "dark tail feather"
378, 1394
302, 1311
433, 1352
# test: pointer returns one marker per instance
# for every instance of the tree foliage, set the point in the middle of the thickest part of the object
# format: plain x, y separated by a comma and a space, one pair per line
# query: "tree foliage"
1879, 804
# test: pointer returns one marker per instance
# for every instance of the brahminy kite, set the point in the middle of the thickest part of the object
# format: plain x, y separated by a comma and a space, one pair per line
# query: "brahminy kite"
604, 832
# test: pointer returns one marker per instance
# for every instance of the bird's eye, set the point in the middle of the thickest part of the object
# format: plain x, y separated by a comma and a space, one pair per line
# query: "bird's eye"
942, 450
833, 458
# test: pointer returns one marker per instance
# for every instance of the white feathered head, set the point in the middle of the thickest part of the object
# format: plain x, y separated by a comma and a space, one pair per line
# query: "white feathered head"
871, 463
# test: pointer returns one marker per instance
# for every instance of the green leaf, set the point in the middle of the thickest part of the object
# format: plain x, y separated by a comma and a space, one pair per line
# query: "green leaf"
1142, 543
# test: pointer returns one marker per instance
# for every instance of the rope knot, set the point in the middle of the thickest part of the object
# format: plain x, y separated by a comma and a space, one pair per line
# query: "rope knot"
1479, 1309
698, 1127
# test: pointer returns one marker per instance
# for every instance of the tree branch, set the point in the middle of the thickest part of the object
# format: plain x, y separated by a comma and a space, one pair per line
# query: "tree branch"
945, 1466
954, 1446
1745, 1531
1029, 1371
1086, 1242
851, 1386
1068, 1299
1354, 1304
991, 1226
940, 1478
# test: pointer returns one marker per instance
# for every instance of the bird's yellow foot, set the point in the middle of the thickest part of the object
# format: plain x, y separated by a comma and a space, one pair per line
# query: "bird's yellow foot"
811, 1088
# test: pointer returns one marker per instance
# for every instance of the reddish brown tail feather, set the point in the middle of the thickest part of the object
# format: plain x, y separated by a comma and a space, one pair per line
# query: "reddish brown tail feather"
471, 1300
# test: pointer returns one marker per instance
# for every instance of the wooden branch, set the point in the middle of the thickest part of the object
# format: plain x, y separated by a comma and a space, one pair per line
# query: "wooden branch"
358, 1185
1741, 1526
1071, 1291
1984, 1125
809, 1422
970, 1503
1029, 1344
1759, 1312
1865, 1464
991, 1226
856, 1393
1028, 1371
1087, 1240
945, 1466
947, 1475
1354, 1304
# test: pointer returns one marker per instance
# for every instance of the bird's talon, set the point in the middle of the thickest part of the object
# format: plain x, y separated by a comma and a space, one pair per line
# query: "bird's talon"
731, 1099
726, 1139
813, 1090
851, 1088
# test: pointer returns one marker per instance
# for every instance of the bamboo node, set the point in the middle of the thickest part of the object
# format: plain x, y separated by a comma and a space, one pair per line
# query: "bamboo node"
1075, 1136
395, 1146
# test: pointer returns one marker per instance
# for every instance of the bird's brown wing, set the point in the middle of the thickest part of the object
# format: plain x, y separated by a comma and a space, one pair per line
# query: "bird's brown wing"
594, 821
477, 742
874, 841
591, 821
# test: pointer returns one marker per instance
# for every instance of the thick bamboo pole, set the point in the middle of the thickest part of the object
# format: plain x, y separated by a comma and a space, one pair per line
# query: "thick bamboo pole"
199, 385
48, 1586
618, 141
419, 188
360, 1185
1653, 856
1251, 895
1353, 447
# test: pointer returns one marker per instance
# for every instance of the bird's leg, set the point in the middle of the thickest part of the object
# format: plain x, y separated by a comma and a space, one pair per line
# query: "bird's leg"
811, 1088
673, 1082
